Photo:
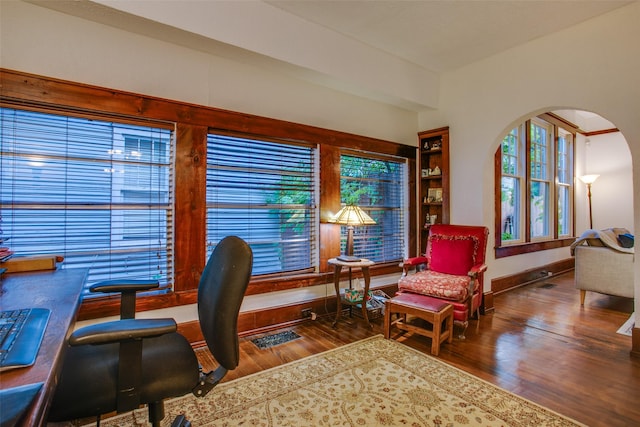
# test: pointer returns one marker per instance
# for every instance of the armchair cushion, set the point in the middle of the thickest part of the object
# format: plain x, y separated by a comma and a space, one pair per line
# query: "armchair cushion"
452, 254
436, 284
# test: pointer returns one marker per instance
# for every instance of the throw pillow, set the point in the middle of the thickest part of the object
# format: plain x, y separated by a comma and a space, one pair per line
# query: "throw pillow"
452, 254
626, 240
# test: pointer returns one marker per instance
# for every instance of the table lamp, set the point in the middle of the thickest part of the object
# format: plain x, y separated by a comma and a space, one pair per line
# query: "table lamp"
351, 215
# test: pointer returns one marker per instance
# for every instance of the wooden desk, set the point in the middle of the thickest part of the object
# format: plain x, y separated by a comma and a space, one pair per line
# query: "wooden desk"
364, 265
59, 291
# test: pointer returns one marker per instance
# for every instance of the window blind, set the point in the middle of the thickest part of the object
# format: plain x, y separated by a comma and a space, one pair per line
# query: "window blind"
96, 192
378, 186
264, 192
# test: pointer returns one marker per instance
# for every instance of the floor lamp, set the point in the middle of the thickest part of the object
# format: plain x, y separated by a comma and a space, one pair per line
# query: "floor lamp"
589, 179
351, 215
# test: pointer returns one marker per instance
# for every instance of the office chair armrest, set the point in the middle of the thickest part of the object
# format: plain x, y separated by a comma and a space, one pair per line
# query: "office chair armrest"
127, 289
122, 330
122, 285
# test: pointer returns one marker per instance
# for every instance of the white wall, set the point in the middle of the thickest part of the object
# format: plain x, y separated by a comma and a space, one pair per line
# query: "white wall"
612, 194
594, 66
42, 41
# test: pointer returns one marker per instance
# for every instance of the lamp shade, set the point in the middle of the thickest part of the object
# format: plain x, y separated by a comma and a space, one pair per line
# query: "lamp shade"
589, 179
352, 215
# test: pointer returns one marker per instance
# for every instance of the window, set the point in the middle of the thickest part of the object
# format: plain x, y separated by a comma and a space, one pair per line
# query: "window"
377, 185
96, 192
512, 184
264, 192
540, 175
536, 183
565, 183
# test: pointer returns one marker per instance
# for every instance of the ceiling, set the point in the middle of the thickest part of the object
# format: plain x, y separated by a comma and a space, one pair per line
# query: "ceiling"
442, 35
359, 47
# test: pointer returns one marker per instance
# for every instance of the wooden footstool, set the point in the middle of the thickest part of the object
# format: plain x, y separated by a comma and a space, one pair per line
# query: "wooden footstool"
432, 310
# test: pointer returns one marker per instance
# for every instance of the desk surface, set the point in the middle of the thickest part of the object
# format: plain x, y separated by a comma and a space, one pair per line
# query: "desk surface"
59, 291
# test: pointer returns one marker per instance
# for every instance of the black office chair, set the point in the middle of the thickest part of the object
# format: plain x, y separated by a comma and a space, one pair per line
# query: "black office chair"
117, 366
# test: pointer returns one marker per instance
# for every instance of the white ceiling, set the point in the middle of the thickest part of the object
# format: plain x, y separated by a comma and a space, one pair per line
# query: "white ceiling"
360, 47
442, 35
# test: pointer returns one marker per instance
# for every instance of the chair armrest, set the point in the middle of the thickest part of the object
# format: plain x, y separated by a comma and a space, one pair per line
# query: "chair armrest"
412, 262
123, 285
477, 269
415, 261
127, 289
122, 330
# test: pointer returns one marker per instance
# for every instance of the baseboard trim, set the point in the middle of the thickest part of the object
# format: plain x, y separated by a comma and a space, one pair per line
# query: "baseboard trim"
505, 283
261, 321
635, 342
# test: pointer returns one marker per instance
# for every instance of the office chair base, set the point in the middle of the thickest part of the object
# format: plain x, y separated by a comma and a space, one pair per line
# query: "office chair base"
181, 421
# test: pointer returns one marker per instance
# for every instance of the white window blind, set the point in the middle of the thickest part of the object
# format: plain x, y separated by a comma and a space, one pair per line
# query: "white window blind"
264, 192
96, 192
378, 186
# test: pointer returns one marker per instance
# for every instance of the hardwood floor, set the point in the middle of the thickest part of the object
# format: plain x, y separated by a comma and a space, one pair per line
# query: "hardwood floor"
539, 344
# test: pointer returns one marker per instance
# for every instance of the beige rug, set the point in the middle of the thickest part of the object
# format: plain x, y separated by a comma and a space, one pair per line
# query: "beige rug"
374, 382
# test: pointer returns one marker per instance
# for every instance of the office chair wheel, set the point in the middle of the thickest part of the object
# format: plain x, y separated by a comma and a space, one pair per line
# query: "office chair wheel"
181, 421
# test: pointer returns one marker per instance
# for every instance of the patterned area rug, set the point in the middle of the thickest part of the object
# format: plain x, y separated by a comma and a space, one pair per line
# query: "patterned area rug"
373, 382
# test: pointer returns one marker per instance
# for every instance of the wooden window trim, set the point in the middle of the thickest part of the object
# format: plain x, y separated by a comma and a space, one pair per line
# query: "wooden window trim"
531, 246
28, 91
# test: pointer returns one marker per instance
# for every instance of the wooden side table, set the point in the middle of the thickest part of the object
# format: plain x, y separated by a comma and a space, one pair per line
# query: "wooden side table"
363, 265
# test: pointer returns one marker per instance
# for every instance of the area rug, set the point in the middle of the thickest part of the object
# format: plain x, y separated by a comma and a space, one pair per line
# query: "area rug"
373, 382
627, 327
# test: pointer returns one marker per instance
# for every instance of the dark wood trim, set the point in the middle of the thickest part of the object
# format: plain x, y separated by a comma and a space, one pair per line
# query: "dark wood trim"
23, 88
190, 173
192, 122
529, 246
505, 283
635, 342
497, 197
556, 120
526, 248
110, 305
601, 132
487, 305
259, 321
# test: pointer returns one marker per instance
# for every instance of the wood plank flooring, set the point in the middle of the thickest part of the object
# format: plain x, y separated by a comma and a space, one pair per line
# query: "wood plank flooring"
539, 344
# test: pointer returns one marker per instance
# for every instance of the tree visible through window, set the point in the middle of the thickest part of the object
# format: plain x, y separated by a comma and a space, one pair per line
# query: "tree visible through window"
264, 192
378, 186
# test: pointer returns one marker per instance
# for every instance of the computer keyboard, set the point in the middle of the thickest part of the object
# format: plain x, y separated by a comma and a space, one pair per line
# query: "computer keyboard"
21, 333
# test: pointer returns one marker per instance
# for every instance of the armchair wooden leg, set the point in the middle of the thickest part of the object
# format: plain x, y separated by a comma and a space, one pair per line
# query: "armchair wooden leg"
583, 294
464, 325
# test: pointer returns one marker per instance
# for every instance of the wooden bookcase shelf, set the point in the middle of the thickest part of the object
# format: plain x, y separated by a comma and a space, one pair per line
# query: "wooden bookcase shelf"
433, 180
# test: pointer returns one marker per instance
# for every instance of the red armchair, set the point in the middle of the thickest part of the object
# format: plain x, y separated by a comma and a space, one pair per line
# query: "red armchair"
453, 268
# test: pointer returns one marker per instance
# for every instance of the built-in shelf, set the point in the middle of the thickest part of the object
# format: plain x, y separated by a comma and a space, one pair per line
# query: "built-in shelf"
433, 191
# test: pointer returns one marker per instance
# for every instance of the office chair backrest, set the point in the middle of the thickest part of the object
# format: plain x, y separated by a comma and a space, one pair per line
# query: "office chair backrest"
220, 293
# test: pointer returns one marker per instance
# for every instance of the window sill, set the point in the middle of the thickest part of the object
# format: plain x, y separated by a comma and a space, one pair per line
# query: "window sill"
525, 248
99, 307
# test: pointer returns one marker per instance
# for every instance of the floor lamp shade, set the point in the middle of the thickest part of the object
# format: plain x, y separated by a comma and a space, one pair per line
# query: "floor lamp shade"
589, 179
351, 216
